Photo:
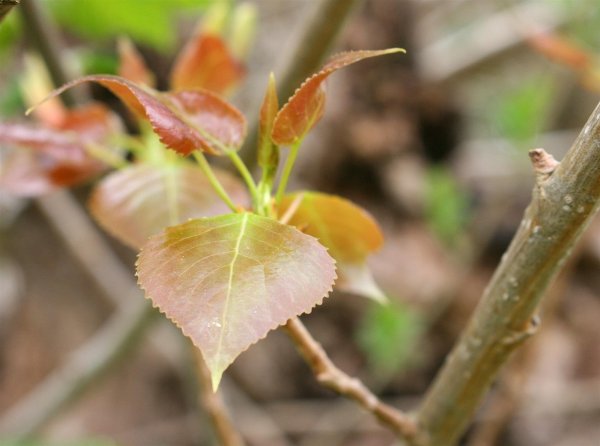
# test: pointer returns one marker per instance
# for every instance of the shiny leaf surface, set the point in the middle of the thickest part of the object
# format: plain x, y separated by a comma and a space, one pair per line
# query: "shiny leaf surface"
184, 120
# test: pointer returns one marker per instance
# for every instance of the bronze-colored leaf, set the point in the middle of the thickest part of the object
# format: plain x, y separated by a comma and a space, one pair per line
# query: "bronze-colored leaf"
305, 108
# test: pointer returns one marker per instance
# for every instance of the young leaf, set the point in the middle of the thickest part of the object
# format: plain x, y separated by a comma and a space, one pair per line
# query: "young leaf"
206, 62
26, 173
185, 120
226, 281
57, 156
348, 231
268, 154
139, 201
305, 108
131, 64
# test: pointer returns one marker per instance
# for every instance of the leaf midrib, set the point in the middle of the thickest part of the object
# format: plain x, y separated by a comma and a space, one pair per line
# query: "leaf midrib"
230, 283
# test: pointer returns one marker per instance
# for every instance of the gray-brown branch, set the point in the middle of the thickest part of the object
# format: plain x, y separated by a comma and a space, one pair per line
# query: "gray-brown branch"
565, 198
331, 377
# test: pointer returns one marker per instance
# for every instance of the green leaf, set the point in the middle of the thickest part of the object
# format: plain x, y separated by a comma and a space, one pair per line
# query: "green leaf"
305, 108
141, 200
150, 22
184, 120
446, 206
226, 281
348, 231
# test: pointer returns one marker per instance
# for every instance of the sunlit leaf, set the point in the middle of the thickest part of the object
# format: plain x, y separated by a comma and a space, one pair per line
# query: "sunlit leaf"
206, 62
139, 201
347, 230
305, 108
227, 281
131, 64
268, 154
185, 120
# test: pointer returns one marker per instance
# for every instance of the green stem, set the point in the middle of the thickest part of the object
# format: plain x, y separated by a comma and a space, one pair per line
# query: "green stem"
215, 183
287, 169
245, 173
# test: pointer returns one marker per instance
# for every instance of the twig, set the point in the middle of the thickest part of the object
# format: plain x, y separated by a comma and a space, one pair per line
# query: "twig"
85, 243
106, 348
313, 43
6, 6
45, 37
564, 201
214, 406
328, 375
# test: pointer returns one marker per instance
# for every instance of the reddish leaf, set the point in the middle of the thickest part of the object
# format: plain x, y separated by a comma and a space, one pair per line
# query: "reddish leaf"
140, 201
206, 62
268, 154
226, 281
305, 108
185, 121
348, 231
28, 174
59, 157
131, 64
560, 50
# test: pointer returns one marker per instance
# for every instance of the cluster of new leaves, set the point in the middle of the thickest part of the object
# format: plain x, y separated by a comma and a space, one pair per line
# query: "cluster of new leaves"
226, 279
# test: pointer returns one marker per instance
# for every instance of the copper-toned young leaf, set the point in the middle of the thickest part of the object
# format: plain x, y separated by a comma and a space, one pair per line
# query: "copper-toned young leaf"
206, 62
140, 201
185, 120
268, 154
48, 158
131, 64
348, 231
560, 50
227, 281
304, 109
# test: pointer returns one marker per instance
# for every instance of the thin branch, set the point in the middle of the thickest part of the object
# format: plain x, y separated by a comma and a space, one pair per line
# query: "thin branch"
6, 6
46, 39
214, 406
564, 201
107, 347
311, 47
328, 375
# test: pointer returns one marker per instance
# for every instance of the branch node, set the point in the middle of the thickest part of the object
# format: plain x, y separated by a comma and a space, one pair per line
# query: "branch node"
543, 163
519, 336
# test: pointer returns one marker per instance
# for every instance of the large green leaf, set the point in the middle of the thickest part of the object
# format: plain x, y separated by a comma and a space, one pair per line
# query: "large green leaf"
226, 281
139, 201
348, 231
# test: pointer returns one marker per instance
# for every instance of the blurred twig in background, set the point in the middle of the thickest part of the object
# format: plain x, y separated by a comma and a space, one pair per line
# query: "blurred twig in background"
6, 6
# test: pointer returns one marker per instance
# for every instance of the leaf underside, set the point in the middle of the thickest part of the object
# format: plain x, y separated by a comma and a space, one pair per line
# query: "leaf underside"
348, 231
227, 281
141, 200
